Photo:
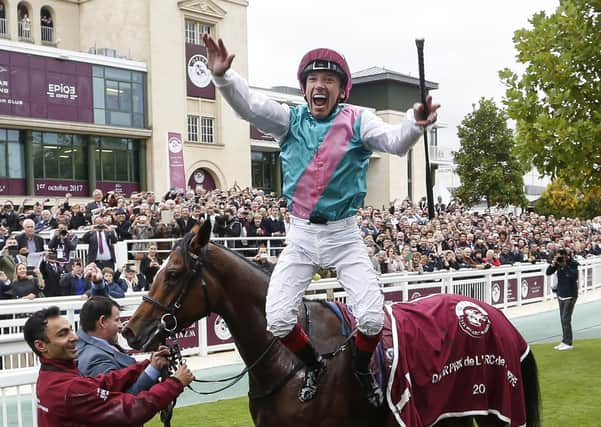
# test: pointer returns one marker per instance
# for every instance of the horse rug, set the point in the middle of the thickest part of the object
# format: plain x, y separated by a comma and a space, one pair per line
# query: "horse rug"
451, 356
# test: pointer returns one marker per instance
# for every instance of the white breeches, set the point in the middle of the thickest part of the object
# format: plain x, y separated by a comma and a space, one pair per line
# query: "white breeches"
339, 245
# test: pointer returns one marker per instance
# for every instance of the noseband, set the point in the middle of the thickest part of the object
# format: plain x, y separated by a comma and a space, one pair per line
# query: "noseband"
194, 265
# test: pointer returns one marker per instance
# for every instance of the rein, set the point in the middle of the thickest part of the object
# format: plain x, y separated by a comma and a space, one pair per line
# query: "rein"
168, 323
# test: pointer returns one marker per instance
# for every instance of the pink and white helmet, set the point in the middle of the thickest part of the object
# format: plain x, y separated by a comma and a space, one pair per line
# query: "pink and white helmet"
323, 59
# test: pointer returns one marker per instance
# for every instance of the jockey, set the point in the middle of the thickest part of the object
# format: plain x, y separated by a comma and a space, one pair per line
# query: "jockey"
325, 146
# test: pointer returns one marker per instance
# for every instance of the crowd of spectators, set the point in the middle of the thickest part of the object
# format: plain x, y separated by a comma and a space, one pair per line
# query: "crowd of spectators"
398, 238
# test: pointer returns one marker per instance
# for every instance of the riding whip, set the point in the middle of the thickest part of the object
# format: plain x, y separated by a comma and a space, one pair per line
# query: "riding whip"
422, 86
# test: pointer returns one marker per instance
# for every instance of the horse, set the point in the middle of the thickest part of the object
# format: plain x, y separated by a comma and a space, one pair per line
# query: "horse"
201, 277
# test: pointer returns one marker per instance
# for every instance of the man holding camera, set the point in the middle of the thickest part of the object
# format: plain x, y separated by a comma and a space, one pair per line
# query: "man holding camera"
567, 293
100, 240
62, 243
10, 257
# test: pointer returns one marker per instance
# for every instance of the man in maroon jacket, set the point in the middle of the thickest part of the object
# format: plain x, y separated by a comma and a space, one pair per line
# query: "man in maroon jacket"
65, 398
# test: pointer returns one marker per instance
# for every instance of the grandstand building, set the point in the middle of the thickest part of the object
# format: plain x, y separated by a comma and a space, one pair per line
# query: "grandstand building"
115, 95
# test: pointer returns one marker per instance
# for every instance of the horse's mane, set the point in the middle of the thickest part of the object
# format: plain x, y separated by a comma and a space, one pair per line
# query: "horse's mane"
184, 242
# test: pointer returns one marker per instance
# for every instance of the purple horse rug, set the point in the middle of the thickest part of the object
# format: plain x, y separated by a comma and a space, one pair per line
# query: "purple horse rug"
452, 356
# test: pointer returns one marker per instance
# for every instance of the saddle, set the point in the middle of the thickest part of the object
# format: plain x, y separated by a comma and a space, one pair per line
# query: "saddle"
448, 355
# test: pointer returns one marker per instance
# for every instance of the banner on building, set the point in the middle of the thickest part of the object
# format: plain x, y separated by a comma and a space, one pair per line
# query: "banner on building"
45, 88
198, 76
177, 174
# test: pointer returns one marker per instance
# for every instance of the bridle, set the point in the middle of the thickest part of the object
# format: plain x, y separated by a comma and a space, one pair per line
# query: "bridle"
168, 323
194, 265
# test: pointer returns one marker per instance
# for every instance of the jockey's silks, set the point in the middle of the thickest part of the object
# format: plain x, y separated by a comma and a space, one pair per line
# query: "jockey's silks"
324, 163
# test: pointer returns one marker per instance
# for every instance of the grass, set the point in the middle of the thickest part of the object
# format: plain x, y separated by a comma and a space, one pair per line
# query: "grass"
570, 387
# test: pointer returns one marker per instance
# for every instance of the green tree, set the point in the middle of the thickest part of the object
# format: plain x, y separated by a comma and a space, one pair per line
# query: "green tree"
486, 162
562, 200
556, 102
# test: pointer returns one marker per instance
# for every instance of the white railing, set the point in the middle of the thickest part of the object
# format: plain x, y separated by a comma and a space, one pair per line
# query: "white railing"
47, 34
24, 31
3, 28
502, 287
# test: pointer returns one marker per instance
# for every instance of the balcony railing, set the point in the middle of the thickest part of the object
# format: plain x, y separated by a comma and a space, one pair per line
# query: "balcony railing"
439, 155
47, 35
24, 31
3, 28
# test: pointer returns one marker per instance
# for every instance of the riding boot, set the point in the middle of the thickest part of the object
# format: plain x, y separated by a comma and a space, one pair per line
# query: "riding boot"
315, 367
298, 342
366, 379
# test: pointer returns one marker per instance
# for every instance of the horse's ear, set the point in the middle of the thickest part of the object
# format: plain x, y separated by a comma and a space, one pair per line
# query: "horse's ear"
202, 235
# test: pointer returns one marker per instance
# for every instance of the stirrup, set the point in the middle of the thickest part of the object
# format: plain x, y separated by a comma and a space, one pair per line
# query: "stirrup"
308, 390
370, 388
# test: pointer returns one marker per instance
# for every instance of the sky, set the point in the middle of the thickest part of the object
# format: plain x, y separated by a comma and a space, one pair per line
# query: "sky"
467, 42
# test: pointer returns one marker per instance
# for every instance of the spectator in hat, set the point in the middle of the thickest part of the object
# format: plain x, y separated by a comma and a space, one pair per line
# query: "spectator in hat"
122, 225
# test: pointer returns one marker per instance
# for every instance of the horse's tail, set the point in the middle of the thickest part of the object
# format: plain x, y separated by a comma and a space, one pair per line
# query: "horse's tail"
531, 391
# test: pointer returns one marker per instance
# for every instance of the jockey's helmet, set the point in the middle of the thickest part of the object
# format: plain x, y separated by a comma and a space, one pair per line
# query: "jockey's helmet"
323, 59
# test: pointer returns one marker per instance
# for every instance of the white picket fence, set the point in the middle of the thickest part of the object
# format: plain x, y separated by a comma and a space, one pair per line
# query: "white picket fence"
502, 287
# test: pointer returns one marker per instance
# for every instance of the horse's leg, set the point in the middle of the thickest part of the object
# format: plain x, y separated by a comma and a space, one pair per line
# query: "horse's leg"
489, 421
456, 422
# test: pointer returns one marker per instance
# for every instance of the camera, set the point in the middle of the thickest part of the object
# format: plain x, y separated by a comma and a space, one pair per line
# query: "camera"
100, 226
13, 250
63, 233
30, 269
561, 259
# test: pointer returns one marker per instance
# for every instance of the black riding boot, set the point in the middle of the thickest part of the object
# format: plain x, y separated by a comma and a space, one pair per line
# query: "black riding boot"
366, 379
315, 366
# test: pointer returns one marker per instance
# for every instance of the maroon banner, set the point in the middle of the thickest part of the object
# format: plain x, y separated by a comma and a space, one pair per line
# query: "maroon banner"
58, 188
533, 287
12, 186
217, 331
259, 135
498, 288
201, 177
46, 88
124, 188
198, 76
177, 177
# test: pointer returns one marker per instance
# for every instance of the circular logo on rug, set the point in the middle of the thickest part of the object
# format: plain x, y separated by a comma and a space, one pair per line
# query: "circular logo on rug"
496, 293
198, 73
524, 288
221, 329
473, 319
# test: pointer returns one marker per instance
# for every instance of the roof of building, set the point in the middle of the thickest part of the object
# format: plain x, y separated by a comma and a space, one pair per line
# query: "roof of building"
374, 74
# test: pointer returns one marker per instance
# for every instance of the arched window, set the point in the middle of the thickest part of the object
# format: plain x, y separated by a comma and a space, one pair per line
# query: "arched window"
47, 25
24, 22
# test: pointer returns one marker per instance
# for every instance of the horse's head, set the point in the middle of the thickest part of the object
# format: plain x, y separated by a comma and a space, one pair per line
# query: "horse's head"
178, 296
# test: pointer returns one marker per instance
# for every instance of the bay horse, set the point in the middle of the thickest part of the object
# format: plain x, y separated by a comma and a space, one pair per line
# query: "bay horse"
201, 277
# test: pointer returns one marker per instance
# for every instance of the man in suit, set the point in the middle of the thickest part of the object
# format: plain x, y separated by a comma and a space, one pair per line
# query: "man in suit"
274, 226
97, 203
100, 240
185, 222
28, 241
98, 351
9, 258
